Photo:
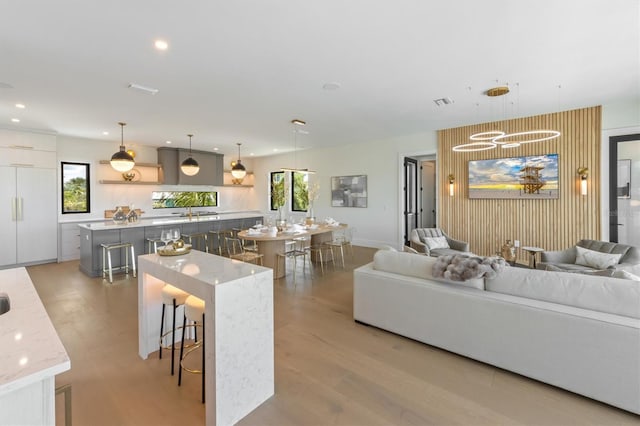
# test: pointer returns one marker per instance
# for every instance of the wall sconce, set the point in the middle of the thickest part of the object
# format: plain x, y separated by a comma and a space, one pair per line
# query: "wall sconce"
583, 172
452, 179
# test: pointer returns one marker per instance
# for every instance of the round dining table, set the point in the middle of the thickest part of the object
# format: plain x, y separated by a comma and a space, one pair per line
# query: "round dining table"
269, 245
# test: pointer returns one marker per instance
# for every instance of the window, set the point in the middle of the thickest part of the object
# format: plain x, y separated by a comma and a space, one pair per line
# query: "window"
278, 196
75, 188
299, 191
171, 199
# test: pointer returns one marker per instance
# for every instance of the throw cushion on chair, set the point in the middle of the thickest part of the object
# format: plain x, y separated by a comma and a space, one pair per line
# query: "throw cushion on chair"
436, 243
596, 259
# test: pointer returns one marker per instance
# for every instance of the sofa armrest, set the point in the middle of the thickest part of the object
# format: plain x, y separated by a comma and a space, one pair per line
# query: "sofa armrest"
458, 245
418, 245
560, 256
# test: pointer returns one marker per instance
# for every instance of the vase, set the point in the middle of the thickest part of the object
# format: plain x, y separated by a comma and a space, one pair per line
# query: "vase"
310, 216
508, 252
281, 222
119, 216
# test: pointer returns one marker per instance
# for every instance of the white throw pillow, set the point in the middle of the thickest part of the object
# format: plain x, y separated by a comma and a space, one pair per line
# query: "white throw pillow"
596, 259
625, 275
436, 243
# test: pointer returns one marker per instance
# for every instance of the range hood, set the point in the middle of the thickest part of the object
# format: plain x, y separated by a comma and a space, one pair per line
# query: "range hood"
211, 167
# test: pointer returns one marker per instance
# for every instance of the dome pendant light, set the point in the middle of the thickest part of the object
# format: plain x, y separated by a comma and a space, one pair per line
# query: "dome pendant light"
238, 171
122, 161
190, 166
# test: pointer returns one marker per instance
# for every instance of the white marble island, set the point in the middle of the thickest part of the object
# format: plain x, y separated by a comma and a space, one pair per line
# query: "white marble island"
31, 354
238, 325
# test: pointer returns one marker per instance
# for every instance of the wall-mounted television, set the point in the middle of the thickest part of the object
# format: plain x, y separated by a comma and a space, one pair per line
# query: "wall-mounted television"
532, 177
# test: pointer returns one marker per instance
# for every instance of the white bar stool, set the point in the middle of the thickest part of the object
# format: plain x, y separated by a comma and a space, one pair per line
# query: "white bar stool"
106, 259
194, 312
174, 297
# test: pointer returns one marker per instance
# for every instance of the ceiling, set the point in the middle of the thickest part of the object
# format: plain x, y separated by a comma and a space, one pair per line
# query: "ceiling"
239, 71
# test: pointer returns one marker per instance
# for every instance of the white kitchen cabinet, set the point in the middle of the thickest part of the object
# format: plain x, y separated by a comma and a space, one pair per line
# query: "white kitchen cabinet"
28, 199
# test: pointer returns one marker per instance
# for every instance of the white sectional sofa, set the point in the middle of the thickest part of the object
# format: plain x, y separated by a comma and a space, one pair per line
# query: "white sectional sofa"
574, 331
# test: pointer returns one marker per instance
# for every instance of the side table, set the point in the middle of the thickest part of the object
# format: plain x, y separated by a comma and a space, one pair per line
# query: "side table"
532, 252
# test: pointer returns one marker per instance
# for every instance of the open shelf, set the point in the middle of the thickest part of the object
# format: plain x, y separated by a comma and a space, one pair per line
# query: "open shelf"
136, 165
126, 182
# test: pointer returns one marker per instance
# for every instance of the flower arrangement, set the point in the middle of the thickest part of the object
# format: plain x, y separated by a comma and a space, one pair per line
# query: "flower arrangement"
314, 192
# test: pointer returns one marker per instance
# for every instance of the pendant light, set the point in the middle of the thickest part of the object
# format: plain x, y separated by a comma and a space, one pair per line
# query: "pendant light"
122, 161
238, 171
190, 166
297, 123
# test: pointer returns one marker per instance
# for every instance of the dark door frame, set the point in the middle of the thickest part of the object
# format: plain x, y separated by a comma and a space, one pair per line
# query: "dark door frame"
613, 181
414, 163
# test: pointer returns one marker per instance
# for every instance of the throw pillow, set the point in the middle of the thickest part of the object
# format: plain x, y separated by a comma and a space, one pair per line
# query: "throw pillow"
436, 242
596, 259
625, 275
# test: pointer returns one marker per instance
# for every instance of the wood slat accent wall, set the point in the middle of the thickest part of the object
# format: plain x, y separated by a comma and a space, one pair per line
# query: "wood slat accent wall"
550, 224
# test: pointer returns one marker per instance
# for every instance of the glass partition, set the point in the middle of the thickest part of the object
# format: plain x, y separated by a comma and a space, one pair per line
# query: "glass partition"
173, 199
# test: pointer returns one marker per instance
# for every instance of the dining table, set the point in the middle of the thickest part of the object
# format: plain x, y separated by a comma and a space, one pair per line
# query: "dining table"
270, 243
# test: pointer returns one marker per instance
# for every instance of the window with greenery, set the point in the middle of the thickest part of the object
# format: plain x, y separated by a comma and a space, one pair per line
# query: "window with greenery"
171, 199
75, 188
278, 194
299, 191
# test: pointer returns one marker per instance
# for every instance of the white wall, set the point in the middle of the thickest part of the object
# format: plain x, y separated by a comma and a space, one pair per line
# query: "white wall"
107, 196
376, 225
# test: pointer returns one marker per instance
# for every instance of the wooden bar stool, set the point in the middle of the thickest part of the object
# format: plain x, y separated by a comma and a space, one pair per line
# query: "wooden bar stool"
107, 265
174, 297
194, 313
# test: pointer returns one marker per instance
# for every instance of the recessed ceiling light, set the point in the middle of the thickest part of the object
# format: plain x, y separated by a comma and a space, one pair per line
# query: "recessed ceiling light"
15, 120
331, 86
275, 149
105, 133
251, 153
21, 106
298, 122
215, 149
161, 45
167, 141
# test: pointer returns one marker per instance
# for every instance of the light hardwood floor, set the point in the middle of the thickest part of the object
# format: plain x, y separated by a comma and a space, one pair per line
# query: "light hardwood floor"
329, 369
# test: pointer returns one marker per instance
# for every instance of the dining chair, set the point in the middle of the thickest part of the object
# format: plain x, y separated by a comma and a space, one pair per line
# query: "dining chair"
295, 248
341, 239
236, 251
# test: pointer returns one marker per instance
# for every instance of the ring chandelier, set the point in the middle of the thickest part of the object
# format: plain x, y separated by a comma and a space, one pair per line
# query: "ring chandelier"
485, 141
490, 140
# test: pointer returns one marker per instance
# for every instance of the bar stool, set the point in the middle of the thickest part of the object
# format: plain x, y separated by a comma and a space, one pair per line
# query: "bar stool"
152, 244
193, 312
174, 297
106, 259
220, 235
198, 241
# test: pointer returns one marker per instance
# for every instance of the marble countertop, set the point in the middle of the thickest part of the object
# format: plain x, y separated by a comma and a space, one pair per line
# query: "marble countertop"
30, 348
199, 266
166, 220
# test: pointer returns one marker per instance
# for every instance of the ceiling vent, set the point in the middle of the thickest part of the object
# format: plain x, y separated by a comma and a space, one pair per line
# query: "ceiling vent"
443, 101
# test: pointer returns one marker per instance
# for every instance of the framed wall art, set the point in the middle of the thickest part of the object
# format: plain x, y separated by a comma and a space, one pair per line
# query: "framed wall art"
349, 191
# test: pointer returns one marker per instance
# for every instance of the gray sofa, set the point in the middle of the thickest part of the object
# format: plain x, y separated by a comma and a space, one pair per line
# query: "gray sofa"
418, 241
565, 260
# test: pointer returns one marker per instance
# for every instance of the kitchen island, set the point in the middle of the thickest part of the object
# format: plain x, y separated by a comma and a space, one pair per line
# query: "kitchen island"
31, 354
106, 232
239, 325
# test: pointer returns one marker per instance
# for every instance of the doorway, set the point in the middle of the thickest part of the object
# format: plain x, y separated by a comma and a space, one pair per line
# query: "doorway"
420, 207
624, 189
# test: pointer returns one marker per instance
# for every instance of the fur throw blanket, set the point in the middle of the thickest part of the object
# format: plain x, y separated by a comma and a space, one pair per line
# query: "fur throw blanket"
459, 267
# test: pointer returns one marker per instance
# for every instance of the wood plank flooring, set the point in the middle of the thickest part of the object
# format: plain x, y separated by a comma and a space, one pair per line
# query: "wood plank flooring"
329, 369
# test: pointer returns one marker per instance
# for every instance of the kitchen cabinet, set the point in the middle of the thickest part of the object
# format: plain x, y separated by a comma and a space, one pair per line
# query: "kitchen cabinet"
28, 199
69, 242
